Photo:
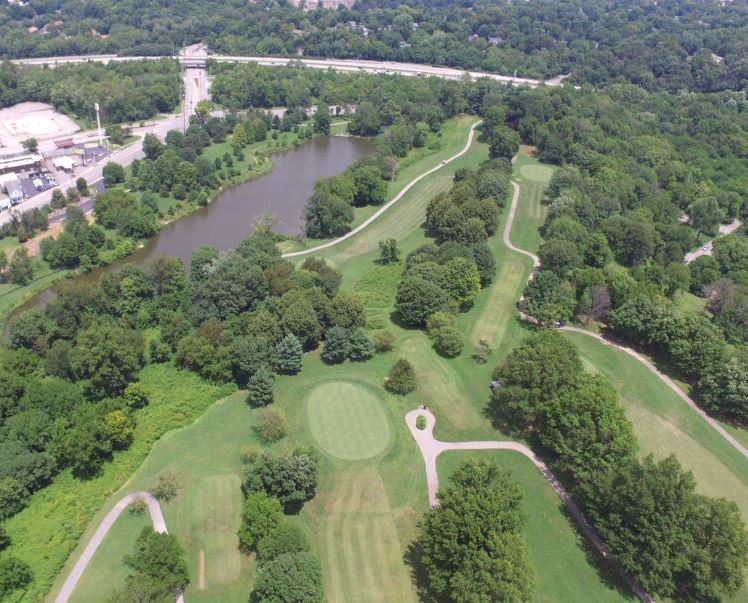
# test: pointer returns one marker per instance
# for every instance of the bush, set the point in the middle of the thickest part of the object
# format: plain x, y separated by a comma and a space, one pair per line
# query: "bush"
136, 396
137, 507
383, 341
160, 351
421, 422
270, 425
285, 538
260, 387
439, 321
167, 487
402, 378
14, 575
449, 342
361, 347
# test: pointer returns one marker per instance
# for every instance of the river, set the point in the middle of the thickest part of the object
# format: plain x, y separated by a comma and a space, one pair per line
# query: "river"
230, 217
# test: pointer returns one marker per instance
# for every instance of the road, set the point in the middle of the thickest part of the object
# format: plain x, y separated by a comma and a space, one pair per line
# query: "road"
431, 448
198, 53
633, 353
390, 203
196, 88
159, 525
708, 248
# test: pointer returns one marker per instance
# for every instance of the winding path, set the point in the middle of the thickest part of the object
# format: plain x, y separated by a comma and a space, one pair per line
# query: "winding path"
633, 353
392, 201
159, 525
670, 383
431, 448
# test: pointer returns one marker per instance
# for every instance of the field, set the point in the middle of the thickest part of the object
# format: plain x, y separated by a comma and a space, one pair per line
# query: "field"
372, 485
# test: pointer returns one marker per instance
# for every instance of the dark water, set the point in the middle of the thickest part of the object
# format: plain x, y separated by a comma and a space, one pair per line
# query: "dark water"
231, 216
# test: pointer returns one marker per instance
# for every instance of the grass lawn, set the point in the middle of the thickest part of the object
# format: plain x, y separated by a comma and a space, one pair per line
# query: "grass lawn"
557, 549
533, 178
372, 486
689, 303
50, 528
664, 424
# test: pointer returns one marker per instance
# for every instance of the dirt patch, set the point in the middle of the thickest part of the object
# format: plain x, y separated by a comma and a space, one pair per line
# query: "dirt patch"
201, 571
32, 120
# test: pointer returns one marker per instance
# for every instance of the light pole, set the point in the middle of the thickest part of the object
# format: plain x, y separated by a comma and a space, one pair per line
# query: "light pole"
98, 124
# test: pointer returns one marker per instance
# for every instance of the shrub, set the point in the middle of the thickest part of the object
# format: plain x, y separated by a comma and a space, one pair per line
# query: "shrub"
136, 395
438, 321
167, 487
290, 577
137, 507
402, 378
421, 422
361, 347
337, 345
383, 341
270, 425
260, 387
160, 351
449, 342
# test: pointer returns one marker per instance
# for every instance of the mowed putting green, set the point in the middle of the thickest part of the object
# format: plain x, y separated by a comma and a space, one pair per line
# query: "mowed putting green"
537, 172
347, 420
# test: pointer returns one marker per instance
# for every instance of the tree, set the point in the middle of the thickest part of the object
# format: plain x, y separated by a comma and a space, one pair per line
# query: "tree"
301, 320
723, 388
113, 173
337, 345
383, 341
270, 425
587, 427
322, 120
82, 186
549, 299
260, 387
462, 281
559, 256
261, 515
503, 143
288, 353
284, 538
26, 329
366, 121
370, 187
417, 299
30, 144
472, 545
704, 271
166, 487
108, 356
326, 215
158, 557
58, 199
289, 577
152, 146
449, 342
361, 347
388, 251
347, 310
21, 267
291, 479
14, 575
705, 215
203, 109
402, 378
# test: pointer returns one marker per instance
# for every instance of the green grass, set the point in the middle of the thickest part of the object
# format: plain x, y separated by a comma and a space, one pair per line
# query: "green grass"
49, 529
533, 178
363, 518
689, 303
347, 421
664, 424
558, 551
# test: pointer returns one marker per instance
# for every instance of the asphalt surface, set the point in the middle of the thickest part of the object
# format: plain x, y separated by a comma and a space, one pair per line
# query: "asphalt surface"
708, 248
431, 448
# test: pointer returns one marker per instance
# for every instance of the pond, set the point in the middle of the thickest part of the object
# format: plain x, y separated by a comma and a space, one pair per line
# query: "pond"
231, 216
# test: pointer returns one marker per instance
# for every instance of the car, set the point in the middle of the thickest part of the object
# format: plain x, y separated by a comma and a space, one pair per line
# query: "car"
705, 248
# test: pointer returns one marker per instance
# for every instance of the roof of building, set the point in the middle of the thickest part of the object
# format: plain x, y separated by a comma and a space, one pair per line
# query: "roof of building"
20, 161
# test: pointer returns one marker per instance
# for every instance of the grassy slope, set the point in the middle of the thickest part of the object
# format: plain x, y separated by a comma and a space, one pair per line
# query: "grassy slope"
48, 530
364, 515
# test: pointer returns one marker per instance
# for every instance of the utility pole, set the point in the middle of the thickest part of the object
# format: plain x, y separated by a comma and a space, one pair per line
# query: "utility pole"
98, 124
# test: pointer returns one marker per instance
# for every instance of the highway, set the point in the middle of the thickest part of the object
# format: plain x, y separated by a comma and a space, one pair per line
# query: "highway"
197, 54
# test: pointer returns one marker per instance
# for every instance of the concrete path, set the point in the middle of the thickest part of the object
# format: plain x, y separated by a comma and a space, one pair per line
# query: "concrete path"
159, 525
431, 448
708, 248
392, 202
670, 383
508, 229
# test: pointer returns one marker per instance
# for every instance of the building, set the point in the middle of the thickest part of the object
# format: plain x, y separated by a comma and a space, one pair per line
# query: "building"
20, 163
4, 202
13, 188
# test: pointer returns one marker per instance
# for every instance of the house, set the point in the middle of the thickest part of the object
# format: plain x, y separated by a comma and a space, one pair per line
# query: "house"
4, 202
13, 188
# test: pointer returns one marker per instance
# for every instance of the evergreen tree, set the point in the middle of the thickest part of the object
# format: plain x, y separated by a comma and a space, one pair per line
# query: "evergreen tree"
402, 378
260, 387
337, 345
362, 348
288, 353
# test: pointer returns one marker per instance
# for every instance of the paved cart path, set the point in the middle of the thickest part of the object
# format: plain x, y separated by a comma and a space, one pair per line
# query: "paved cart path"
392, 201
159, 525
431, 448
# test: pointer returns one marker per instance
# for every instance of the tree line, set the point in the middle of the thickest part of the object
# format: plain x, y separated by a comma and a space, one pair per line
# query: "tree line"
670, 45
126, 92
674, 542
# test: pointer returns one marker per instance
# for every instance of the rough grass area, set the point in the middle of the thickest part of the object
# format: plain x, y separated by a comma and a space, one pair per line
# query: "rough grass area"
664, 424
377, 287
46, 532
347, 420
558, 551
